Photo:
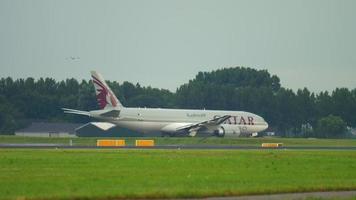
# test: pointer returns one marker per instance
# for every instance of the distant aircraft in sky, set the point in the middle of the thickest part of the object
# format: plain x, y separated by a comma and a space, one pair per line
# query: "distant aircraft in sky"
168, 121
72, 58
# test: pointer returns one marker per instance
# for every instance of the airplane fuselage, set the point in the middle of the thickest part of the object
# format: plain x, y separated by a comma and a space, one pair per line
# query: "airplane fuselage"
168, 121
160, 120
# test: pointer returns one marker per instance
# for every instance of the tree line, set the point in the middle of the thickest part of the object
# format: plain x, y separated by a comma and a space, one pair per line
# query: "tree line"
302, 113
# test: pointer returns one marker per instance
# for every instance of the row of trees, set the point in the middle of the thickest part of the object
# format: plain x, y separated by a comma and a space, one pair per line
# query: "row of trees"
287, 112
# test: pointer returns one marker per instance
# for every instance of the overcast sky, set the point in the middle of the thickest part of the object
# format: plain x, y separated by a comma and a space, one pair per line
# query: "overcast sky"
164, 43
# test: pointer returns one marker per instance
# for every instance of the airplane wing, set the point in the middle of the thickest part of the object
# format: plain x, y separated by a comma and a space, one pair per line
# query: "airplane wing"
103, 113
76, 112
214, 122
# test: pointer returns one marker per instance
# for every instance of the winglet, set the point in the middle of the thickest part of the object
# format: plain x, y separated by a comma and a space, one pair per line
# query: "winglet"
106, 98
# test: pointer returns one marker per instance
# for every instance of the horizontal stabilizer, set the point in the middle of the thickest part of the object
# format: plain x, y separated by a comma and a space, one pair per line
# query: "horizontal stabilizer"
76, 112
101, 125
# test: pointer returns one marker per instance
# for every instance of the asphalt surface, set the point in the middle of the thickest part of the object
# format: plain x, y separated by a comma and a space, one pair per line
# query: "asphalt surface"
294, 196
198, 147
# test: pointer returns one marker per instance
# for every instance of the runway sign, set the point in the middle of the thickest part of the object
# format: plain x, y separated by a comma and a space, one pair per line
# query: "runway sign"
272, 145
145, 143
110, 143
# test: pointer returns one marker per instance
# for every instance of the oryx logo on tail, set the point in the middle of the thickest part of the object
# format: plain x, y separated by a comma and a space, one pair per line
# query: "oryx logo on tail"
104, 95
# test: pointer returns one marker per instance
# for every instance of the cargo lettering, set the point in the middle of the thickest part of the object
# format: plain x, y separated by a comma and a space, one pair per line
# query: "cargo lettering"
250, 121
238, 120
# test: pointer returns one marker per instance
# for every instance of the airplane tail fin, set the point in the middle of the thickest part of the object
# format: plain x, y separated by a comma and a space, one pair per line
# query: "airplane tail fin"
106, 98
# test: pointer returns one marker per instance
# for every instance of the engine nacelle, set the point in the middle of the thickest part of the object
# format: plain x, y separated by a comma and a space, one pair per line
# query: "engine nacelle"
227, 130
220, 132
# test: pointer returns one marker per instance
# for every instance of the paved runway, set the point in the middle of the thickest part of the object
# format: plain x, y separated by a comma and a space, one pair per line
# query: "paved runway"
300, 196
232, 147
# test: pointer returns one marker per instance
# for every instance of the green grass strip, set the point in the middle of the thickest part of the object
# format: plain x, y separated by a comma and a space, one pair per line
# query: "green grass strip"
111, 174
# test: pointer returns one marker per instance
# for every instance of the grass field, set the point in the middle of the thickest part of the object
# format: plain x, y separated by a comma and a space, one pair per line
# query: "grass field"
188, 140
111, 174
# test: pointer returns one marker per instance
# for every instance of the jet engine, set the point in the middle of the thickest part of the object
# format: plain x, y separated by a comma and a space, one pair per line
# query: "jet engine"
220, 132
227, 130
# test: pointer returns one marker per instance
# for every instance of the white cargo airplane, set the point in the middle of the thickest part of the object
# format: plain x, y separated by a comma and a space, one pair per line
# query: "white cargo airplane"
168, 121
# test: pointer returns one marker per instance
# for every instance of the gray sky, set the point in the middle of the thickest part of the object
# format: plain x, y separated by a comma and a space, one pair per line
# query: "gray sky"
164, 43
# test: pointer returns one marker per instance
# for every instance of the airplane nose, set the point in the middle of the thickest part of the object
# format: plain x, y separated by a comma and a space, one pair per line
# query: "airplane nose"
265, 126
